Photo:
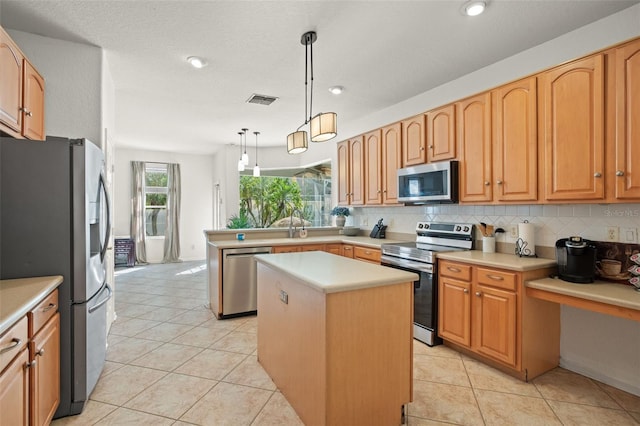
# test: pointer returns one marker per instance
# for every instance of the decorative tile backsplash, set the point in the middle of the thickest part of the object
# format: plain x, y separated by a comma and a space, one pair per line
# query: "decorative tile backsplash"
552, 221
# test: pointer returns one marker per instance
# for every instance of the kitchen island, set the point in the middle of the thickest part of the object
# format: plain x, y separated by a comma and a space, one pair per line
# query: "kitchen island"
335, 335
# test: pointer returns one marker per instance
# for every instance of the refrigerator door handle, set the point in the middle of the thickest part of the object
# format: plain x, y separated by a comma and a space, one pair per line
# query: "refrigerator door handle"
102, 302
108, 208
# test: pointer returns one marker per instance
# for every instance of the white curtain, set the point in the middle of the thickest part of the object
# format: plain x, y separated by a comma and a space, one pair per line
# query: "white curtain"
172, 230
137, 210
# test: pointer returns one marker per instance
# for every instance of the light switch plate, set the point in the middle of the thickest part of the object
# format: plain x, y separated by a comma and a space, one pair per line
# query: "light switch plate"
629, 235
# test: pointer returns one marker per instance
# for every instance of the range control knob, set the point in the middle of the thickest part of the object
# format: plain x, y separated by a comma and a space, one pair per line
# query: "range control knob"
426, 226
466, 229
420, 226
458, 228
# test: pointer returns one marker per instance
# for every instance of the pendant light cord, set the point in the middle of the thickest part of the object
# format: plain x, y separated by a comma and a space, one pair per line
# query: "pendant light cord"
311, 92
306, 77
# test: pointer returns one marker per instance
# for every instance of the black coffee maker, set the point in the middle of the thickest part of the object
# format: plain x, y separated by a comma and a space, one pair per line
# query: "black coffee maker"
576, 260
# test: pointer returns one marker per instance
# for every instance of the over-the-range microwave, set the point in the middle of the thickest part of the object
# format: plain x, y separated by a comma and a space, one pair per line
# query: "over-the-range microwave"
430, 183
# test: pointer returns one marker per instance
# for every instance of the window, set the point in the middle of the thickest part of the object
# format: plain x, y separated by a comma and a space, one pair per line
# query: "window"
155, 195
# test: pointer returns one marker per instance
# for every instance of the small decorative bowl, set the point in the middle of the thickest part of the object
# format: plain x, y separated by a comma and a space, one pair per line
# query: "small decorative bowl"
350, 230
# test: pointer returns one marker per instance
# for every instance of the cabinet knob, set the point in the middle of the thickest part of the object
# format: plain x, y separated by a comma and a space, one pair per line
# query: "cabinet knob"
597, 174
478, 294
422, 148
30, 364
430, 146
40, 352
465, 291
29, 114
379, 191
619, 173
486, 183
499, 182
385, 191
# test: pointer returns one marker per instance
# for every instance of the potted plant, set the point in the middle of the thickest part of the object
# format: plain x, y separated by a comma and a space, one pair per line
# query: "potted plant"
341, 214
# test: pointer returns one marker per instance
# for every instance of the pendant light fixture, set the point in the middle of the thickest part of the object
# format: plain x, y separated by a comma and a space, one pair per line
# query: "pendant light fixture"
240, 162
323, 126
256, 168
245, 156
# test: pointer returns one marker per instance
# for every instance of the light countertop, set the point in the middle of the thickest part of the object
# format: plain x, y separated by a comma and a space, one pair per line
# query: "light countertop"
625, 296
19, 296
498, 260
326, 239
330, 273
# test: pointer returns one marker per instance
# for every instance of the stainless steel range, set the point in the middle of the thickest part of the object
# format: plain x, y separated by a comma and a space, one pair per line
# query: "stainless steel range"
420, 257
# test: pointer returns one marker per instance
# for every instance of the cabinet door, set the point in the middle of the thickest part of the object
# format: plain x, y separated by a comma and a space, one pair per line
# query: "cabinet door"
312, 247
14, 392
373, 168
413, 141
454, 311
441, 134
495, 324
573, 138
33, 121
333, 249
515, 157
474, 137
627, 173
10, 84
356, 155
343, 172
285, 249
45, 374
391, 162
347, 250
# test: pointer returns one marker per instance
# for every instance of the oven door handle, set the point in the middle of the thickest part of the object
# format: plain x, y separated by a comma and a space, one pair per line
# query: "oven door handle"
405, 263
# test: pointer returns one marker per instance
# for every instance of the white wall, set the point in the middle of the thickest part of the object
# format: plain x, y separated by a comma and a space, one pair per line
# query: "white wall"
73, 78
196, 206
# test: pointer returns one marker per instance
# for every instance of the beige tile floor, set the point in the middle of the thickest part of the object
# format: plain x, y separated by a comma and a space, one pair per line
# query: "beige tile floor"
170, 362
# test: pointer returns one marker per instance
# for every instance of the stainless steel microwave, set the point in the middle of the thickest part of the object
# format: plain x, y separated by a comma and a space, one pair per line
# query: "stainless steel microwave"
430, 183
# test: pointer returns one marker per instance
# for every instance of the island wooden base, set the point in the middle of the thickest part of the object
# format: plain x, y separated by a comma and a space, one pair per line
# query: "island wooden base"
341, 358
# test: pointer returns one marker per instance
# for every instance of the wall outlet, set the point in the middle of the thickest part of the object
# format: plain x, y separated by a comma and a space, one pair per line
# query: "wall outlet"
629, 235
613, 233
364, 221
513, 231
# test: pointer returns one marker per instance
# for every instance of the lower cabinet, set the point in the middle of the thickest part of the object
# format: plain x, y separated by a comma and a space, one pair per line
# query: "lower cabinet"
366, 254
485, 313
30, 366
347, 250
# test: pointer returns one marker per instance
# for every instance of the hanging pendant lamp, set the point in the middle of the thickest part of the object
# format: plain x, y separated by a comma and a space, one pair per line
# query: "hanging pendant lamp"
256, 168
245, 156
324, 125
240, 162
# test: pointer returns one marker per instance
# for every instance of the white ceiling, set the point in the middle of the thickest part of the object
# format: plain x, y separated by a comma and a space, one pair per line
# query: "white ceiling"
383, 52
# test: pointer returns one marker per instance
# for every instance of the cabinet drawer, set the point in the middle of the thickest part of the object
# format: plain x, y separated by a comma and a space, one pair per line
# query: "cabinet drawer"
43, 312
347, 250
366, 254
455, 270
13, 341
499, 279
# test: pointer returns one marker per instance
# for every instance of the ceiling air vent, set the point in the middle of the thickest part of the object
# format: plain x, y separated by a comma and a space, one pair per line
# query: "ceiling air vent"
261, 99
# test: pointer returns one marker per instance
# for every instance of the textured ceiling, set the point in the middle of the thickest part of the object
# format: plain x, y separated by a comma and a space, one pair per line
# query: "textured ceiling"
383, 52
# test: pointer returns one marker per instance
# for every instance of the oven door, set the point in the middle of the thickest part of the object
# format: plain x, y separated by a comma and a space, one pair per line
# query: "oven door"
425, 298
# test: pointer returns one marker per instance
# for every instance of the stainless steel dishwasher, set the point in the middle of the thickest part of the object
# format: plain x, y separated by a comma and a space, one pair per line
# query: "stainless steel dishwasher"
239, 280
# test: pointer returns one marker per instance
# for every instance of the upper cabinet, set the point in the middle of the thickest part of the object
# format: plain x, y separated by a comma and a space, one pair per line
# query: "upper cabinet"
373, 168
474, 138
21, 93
515, 141
441, 134
627, 90
351, 172
391, 162
413, 141
10, 85
572, 130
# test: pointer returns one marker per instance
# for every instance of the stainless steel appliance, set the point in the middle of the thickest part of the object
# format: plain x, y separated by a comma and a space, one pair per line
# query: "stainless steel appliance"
239, 281
429, 183
420, 257
54, 220
576, 260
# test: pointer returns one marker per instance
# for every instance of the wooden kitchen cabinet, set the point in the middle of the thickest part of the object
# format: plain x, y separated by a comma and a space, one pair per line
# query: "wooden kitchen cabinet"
474, 139
312, 247
572, 130
285, 249
373, 167
334, 248
351, 171
515, 141
367, 254
45, 372
414, 150
627, 136
391, 162
14, 391
21, 93
441, 134
347, 250
485, 313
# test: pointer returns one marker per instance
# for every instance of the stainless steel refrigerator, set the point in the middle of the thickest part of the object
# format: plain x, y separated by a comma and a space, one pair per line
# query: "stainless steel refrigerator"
54, 220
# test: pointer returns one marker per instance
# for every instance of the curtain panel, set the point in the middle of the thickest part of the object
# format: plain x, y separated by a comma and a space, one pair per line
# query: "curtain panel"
172, 230
137, 210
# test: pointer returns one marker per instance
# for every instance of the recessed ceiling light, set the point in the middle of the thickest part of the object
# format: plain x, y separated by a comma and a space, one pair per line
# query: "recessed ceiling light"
336, 90
473, 8
197, 62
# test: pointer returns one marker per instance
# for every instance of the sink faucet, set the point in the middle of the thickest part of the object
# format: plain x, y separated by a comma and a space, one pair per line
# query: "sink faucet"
292, 230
